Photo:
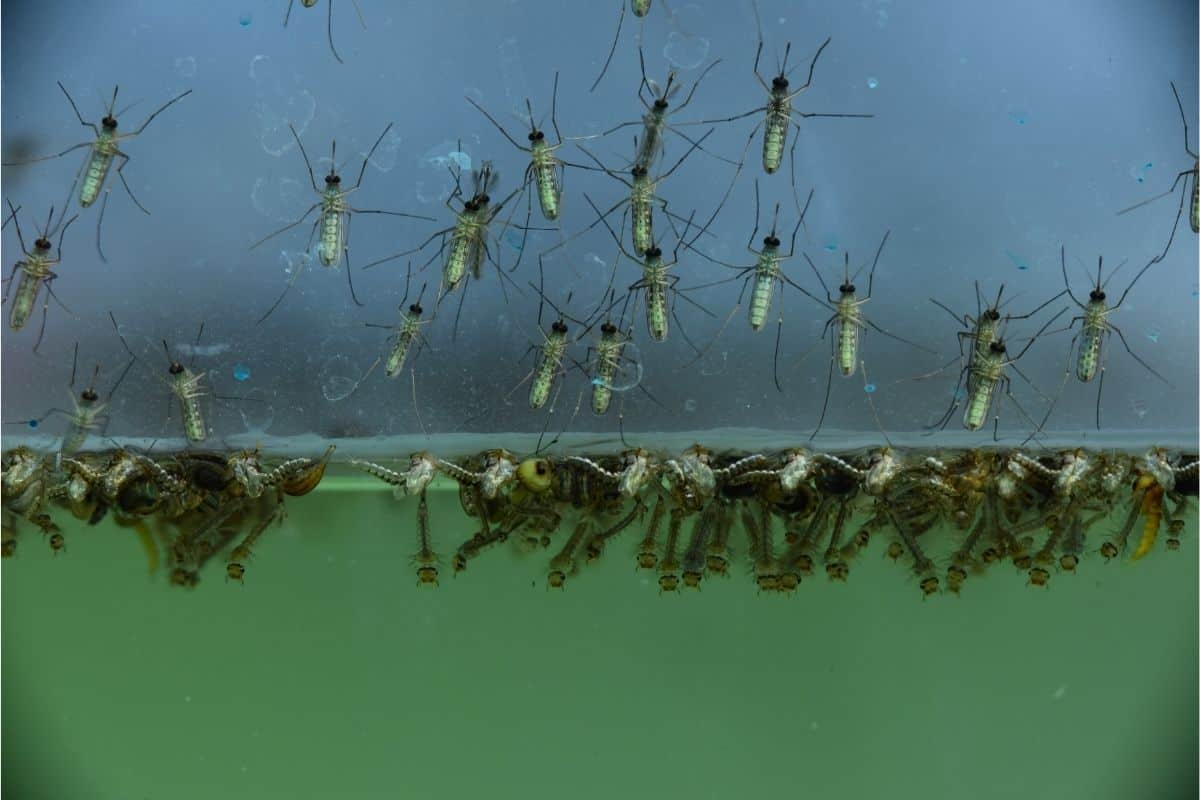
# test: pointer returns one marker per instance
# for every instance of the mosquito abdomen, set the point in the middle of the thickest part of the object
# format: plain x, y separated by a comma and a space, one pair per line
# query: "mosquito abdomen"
24, 299
332, 235
98, 165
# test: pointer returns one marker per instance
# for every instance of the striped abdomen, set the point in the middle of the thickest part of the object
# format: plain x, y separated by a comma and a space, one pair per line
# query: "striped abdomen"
25, 297
548, 364
775, 130
642, 213
333, 233
186, 386
764, 288
1090, 339
460, 249
1195, 215
979, 402
546, 177
608, 356
656, 305
404, 339
76, 435
847, 336
99, 162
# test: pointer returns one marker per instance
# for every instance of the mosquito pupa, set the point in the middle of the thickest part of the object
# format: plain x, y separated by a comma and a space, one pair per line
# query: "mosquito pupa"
333, 217
104, 149
35, 273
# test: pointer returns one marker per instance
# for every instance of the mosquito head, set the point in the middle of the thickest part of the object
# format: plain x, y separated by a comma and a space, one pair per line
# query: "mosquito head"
1097, 295
42, 244
333, 179
771, 241
992, 315
660, 104
638, 172
109, 122
779, 83
471, 206
559, 327
176, 368
89, 395
608, 329
997, 348
536, 135
653, 251
846, 289
416, 310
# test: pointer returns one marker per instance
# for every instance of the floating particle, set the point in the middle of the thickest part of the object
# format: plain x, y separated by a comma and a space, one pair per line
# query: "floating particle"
869, 388
33, 423
339, 378
1152, 333
514, 239
1138, 172
1017, 261
1139, 407
1060, 693
245, 19
689, 405
831, 244
185, 66
872, 83
241, 372
1019, 117
685, 52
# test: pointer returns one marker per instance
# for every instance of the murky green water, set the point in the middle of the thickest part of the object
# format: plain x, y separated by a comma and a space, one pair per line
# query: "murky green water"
331, 674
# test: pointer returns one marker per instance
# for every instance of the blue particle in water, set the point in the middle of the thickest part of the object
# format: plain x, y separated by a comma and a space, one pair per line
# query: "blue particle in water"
245, 19
33, 423
513, 238
1152, 334
831, 244
872, 83
1017, 261
869, 388
1141, 179
959, 394
1018, 117
241, 372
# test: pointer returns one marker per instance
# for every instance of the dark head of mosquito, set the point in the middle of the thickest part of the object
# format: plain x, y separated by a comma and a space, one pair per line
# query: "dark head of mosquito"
536, 135
997, 348
559, 327
779, 84
991, 315
42, 245
333, 180
771, 241
89, 396
416, 310
608, 329
176, 368
847, 289
109, 122
639, 172
653, 252
1097, 295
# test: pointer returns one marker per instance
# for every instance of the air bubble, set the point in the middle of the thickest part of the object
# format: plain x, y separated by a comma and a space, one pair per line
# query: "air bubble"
339, 378
257, 411
872, 83
869, 388
185, 66
1017, 261
1152, 333
1019, 117
33, 423
245, 19
689, 405
685, 52
241, 372
278, 106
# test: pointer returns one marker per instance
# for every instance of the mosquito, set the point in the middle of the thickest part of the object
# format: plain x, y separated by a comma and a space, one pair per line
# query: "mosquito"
36, 272
104, 149
333, 220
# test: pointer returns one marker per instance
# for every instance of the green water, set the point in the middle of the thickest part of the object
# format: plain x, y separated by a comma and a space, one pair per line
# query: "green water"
331, 674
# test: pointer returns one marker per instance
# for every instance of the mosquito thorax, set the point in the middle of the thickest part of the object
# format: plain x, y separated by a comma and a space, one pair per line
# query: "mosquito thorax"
333, 180
559, 327
109, 122
1097, 295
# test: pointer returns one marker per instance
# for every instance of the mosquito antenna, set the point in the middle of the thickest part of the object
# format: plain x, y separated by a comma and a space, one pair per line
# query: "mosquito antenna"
74, 362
